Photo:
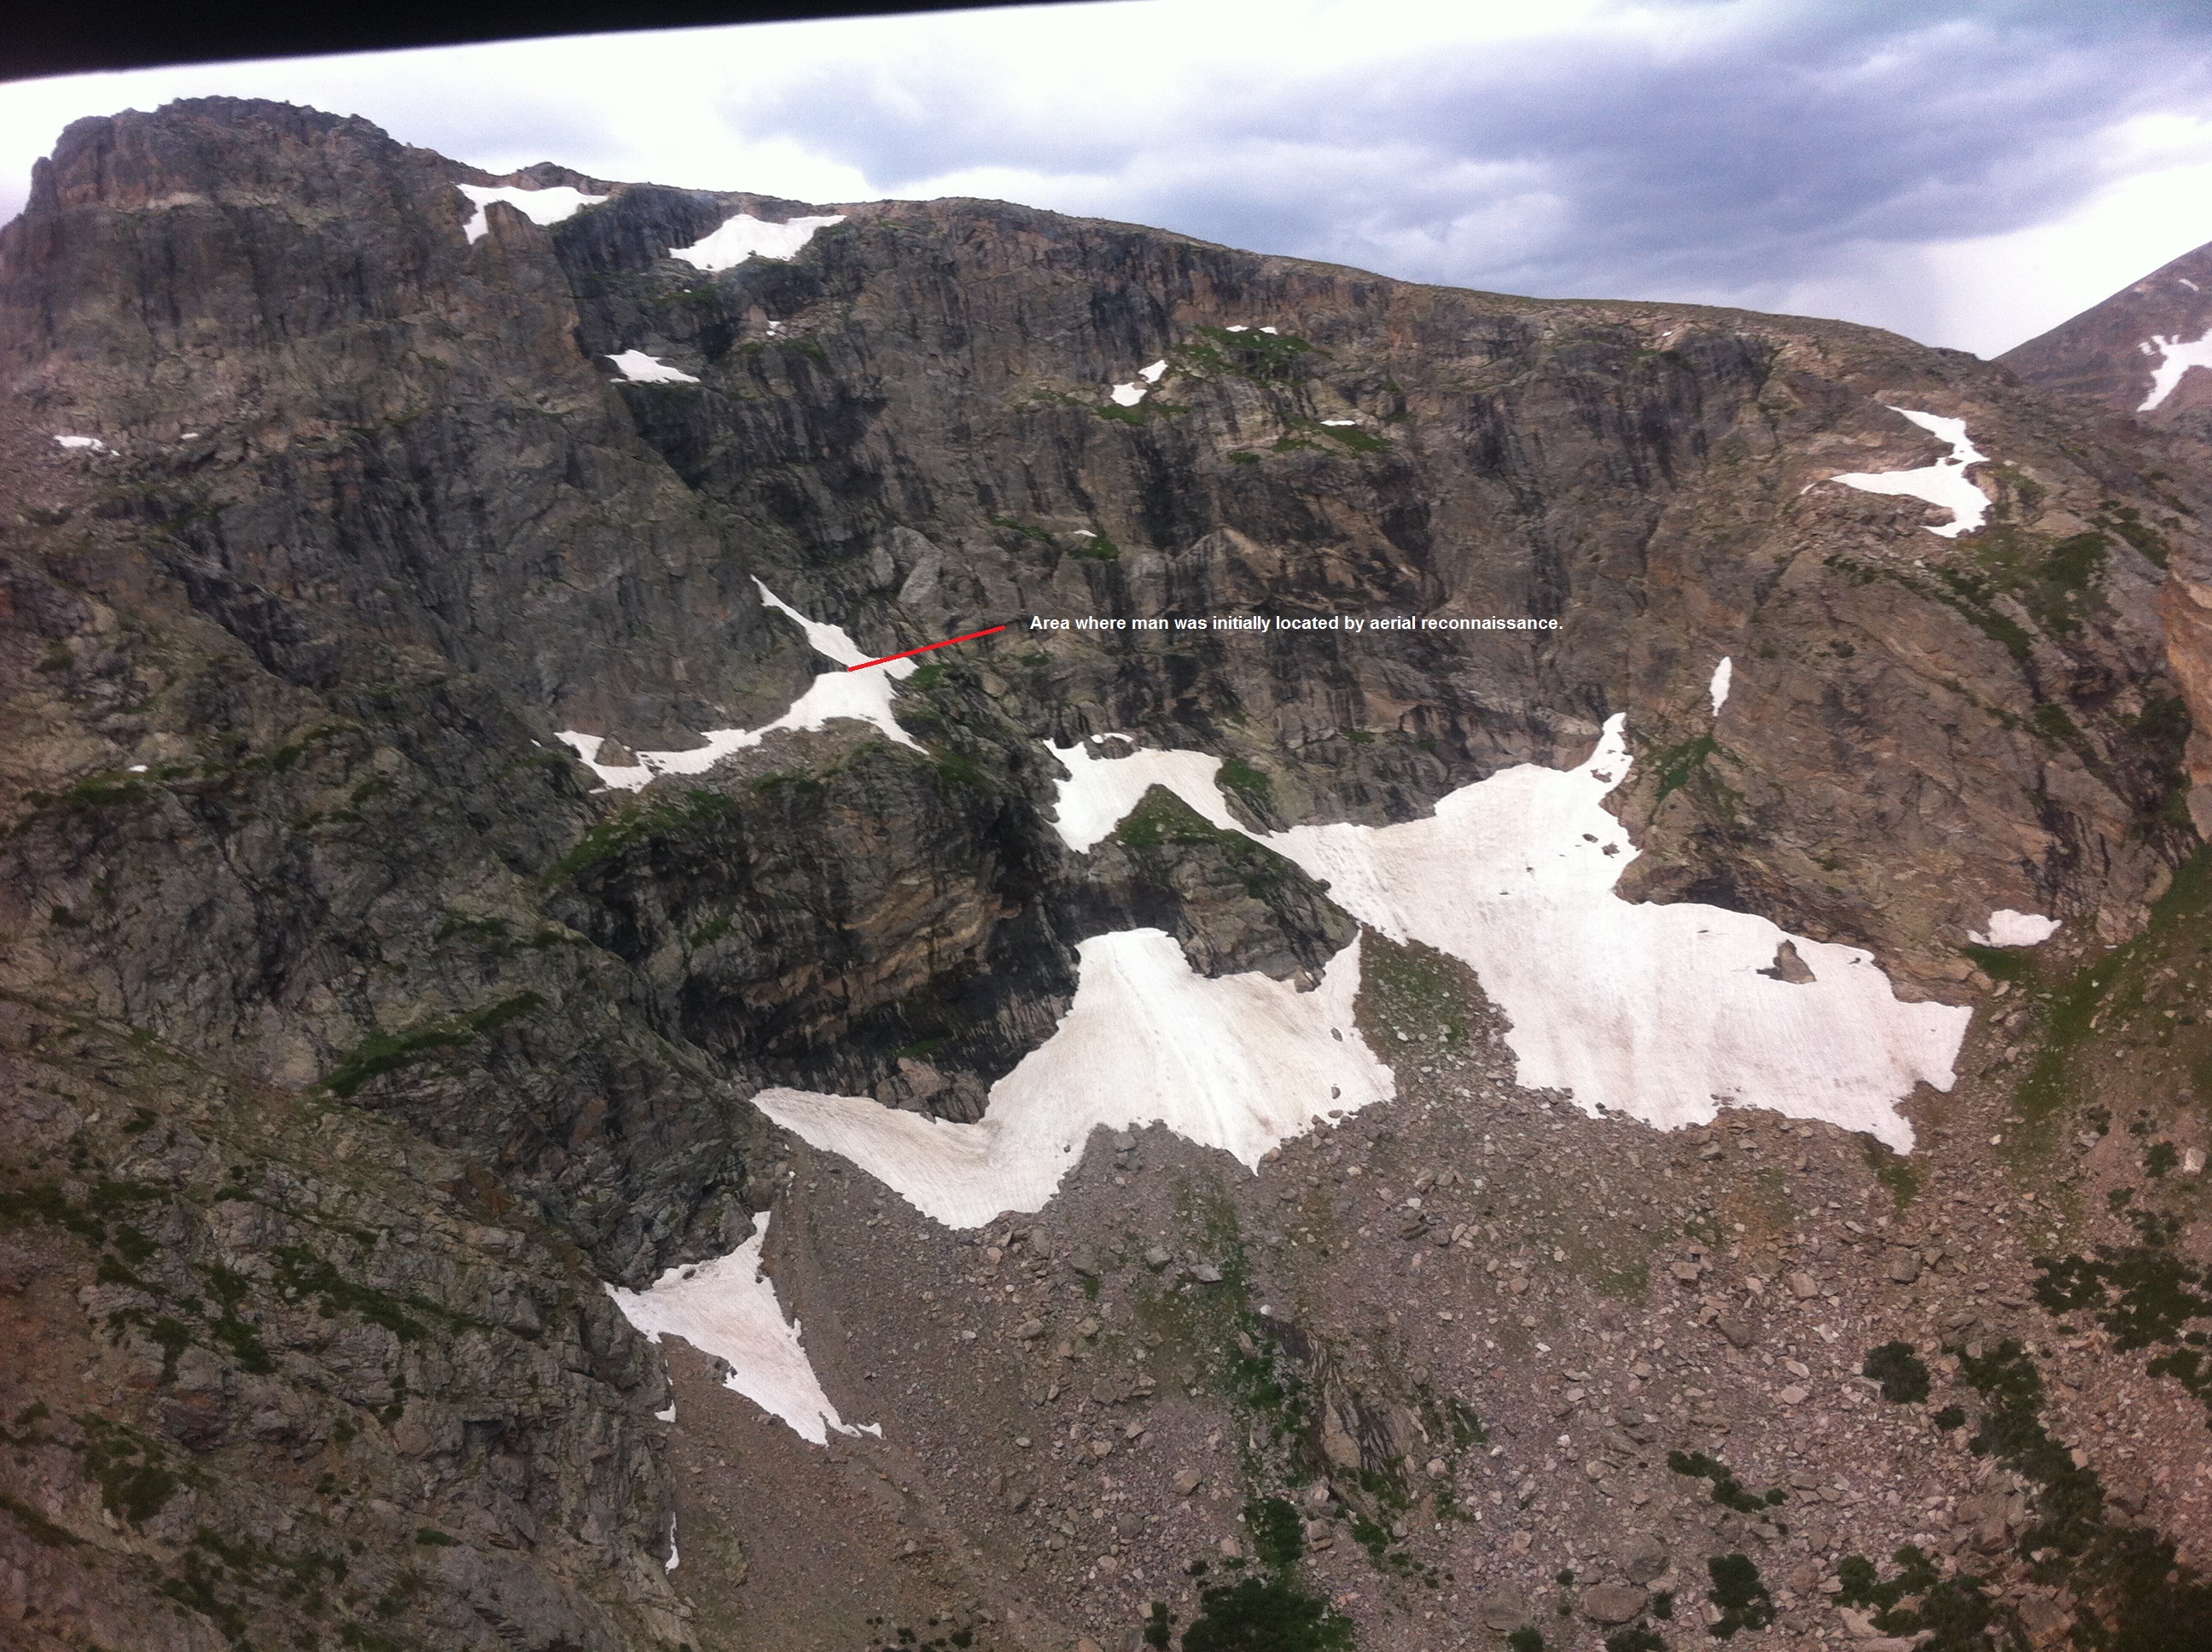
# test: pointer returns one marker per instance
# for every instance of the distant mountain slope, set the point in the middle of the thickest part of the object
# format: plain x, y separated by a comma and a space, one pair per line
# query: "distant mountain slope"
2147, 348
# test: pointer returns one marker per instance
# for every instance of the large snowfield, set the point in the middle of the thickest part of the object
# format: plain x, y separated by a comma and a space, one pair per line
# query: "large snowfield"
1240, 1063
1664, 1013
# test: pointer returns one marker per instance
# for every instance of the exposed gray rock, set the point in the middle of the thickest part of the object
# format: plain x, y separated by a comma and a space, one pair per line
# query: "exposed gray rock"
1613, 1603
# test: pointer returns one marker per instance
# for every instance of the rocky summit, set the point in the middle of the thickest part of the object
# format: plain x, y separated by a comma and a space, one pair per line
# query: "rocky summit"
1543, 987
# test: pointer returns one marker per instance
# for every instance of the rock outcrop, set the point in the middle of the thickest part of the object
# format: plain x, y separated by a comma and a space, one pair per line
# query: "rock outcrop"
2146, 352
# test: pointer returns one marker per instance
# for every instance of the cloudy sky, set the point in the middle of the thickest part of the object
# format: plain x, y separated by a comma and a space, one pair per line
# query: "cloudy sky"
1966, 172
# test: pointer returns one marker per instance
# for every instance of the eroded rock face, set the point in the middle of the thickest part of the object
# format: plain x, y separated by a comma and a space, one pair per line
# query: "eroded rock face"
2143, 353
278, 1360
371, 519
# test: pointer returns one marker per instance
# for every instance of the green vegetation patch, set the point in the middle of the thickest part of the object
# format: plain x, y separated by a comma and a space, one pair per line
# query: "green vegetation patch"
2125, 522
1265, 358
1277, 1531
2113, 986
36, 1525
383, 1052
135, 1481
1892, 1169
1677, 763
1266, 1614
1162, 817
1415, 987
1358, 441
1744, 1601
1728, 1490
2134, 1596
1027, 530
1903, 1374
1240, 776
1954, 1612
2055, 580
639, 825
2143, 1295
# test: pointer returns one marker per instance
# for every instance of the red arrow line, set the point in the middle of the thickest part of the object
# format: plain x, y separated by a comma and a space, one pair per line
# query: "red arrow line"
926, 647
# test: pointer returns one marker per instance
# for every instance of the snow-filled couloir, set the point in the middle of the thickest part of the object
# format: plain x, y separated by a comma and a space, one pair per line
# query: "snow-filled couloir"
2176, 357
1944, 484
860, 696
728, 1309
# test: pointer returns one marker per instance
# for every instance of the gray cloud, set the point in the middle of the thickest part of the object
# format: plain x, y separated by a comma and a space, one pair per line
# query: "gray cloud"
1836, 154
1738, 155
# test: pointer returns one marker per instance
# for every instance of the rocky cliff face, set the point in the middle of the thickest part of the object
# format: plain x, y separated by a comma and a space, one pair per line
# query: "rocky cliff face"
2143, 352
325, 518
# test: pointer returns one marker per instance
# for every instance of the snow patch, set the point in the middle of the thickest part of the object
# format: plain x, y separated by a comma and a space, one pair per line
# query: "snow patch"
1241, 1063
87, 444
668, 1416
727, 1308
858, 696
2177, 359
640, 368
1152, 374
540, 206
1339, 421
1662, 1012
1944, 483
670, 1565
2010, 928
1129, 395
747, 237
1722, 673
1100, 791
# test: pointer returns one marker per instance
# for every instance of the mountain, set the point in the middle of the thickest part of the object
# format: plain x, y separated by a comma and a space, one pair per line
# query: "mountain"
1557, 950
2143, 352
2140, 351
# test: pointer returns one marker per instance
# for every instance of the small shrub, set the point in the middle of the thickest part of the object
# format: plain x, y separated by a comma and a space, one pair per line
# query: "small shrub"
1743, 1600
1278, 1535
1902, 1376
